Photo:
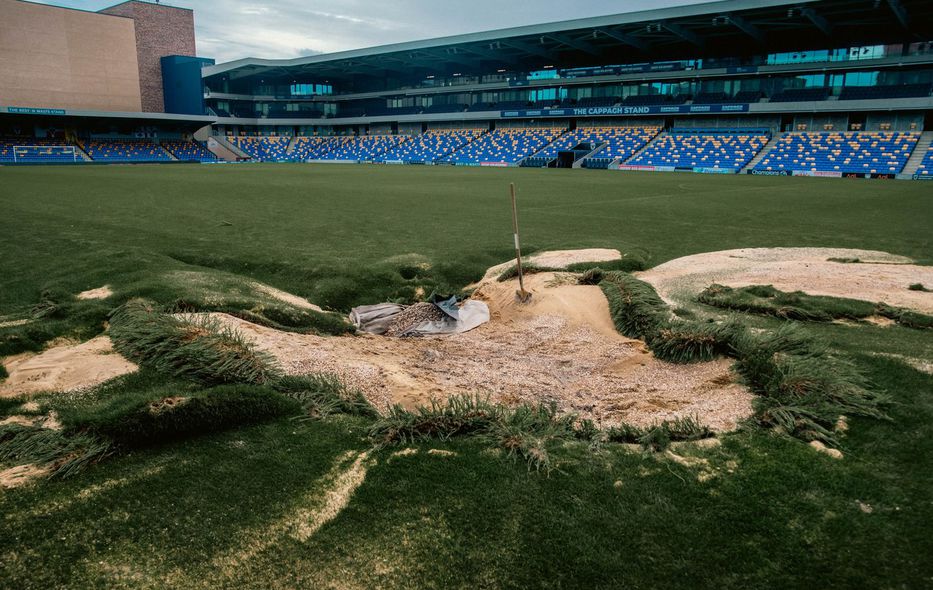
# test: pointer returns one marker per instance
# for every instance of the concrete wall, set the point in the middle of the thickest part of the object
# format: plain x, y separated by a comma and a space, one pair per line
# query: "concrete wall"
67, 59
160, 31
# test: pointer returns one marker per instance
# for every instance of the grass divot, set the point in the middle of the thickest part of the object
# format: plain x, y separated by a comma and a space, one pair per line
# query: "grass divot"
803, 388
197, 348
766, 300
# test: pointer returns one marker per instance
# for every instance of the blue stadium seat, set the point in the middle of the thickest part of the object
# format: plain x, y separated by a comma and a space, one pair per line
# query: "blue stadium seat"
505, 146
125, 150
188, 151
723, 150
618, 142
869, 152
431, 146
263, 149
365, 148
30, 150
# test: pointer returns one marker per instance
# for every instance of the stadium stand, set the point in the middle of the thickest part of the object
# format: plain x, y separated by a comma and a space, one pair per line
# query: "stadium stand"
263, 149
621, 144
125, 150
312, 148
431, 146
365, 148
869, 152
719, 149
37, 151
615, 142
188, 151
505, 146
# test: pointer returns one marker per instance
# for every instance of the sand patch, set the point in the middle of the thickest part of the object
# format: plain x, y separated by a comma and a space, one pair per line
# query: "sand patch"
14, 323
561, 348
880, 277
556, 259
104, 292
21, 475
68, 367
284, 297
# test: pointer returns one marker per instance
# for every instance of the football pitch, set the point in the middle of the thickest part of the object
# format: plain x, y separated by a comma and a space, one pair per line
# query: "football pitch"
232, 509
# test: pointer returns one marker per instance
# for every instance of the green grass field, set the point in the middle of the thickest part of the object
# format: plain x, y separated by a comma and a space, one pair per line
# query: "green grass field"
232, 509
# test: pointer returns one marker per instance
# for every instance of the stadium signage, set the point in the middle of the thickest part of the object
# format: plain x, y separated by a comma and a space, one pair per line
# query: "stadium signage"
31, 111
627, 111
769, 172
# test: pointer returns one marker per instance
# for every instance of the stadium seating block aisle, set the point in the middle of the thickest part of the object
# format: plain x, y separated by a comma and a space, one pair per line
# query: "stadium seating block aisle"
505, 146
263, 149
125, 150
431, 146
365, 148
868, 152
188, 151
926, 166
721, 151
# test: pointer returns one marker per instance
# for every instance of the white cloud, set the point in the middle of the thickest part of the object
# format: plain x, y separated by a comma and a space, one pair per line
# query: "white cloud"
234, 29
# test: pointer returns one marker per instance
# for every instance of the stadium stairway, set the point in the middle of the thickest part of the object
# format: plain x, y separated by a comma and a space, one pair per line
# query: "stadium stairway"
763, 152
292, 143
168, 152
913, 163
227, 145
80, 151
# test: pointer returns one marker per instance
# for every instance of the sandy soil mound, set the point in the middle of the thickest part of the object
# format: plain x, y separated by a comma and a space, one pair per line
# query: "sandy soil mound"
556, 259
879, 277
64, 368
562, 348
99, 293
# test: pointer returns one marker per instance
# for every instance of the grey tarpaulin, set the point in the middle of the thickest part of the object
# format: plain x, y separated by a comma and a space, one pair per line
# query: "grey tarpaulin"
375, 319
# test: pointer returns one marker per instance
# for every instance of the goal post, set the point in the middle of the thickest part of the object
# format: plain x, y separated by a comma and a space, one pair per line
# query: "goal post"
38, 153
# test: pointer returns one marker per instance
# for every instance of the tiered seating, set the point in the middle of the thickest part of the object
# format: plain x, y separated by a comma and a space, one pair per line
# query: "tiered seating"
801, 95
40, 151
869, 152
621, 142
364, 148
718, 150
431, 146
505, 146
313, 148
125, 150
263, 149
926, 166
189, 151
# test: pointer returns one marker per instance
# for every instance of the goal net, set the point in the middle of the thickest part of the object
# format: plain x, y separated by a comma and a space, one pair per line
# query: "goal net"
44, 153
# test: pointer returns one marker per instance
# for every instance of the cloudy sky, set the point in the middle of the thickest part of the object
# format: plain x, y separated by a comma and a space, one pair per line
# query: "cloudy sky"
233, 29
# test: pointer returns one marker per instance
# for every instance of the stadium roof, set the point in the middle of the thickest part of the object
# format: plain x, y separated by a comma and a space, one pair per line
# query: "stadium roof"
711, 29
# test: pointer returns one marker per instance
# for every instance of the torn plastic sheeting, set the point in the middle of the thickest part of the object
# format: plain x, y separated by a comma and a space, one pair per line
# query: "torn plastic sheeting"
376, 319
